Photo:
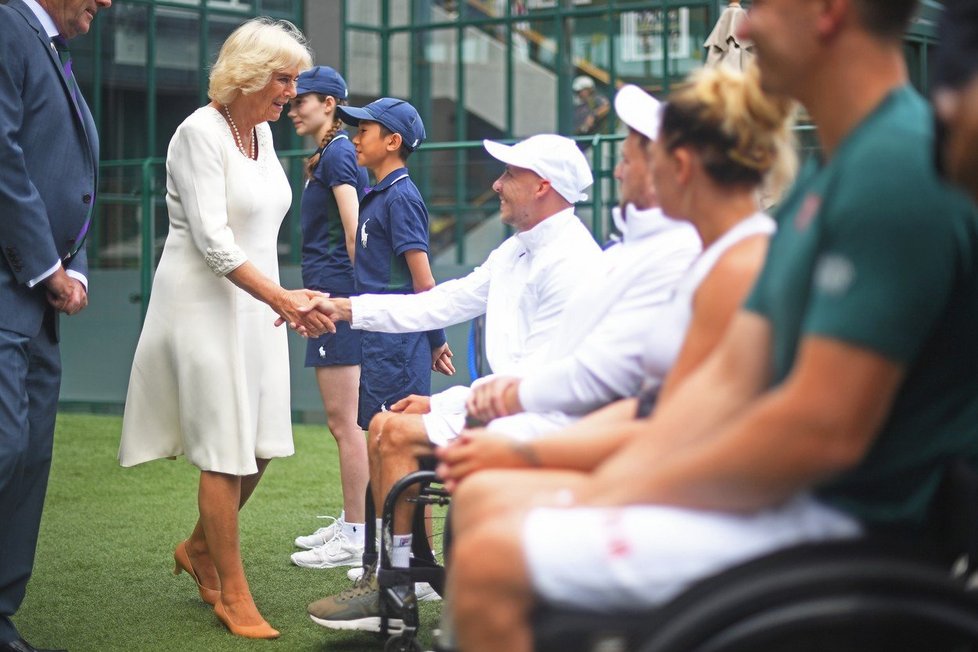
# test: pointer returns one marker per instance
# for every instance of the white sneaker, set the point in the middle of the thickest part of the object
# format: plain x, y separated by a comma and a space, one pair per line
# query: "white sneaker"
338, 551
354, 573
321, 536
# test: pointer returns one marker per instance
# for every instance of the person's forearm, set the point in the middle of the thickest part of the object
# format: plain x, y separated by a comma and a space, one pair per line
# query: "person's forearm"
764, 458
586, 444
250, 279
343, 307
740, 453
684, 421
449, 303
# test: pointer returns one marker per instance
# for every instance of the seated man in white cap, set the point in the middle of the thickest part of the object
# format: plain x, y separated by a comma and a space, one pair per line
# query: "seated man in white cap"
522, 289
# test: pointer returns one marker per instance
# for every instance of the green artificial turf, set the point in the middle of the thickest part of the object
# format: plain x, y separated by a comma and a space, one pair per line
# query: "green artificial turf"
103, 578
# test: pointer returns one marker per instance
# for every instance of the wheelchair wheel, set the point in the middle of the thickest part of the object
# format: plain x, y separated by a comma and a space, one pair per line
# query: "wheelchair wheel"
402, 643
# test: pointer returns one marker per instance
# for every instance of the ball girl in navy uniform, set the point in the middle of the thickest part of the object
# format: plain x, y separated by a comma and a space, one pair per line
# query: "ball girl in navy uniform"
392, 254
330, 207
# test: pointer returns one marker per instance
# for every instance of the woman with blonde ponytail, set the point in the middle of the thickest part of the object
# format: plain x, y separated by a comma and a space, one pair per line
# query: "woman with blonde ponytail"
725, 148
335, 184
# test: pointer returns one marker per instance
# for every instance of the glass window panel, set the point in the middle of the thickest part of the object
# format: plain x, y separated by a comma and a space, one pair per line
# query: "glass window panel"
399, 65
434, 91
362, 65
244, 6
363, 12
485, 85
534, 78
178, 73
122, 129
280, 8
400, 12
647, 38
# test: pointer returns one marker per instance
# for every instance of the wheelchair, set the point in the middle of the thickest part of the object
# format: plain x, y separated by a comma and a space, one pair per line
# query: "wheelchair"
424, 566
868, 595
396, 604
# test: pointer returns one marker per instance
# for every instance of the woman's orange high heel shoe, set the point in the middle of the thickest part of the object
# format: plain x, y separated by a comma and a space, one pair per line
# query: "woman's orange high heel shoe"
181, 559
262, 630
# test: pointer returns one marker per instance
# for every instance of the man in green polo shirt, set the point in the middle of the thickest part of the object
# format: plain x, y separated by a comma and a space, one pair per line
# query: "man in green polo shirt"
839, 393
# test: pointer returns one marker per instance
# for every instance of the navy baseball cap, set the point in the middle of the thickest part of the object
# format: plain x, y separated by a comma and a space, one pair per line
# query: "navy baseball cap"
397, 115
323, 80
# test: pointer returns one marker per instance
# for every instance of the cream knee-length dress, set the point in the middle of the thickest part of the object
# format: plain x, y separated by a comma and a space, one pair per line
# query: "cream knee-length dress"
210, 378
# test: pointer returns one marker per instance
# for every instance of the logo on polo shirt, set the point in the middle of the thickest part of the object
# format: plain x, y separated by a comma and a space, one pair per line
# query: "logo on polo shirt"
807, 212
363, 233
834, 274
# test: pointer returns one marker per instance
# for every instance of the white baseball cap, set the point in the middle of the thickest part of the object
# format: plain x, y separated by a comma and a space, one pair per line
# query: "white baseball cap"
555, 158
581, 82
638, 110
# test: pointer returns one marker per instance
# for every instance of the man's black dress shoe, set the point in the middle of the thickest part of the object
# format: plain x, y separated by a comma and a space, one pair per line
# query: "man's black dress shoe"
20, 645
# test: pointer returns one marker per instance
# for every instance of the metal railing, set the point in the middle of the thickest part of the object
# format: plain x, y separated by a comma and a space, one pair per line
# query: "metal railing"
131, 224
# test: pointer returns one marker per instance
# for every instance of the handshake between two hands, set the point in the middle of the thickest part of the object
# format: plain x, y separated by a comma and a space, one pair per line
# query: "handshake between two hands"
312, 313
307, 312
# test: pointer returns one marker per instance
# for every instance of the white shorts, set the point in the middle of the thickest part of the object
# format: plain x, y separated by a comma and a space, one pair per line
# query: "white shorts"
442, 427
614, 559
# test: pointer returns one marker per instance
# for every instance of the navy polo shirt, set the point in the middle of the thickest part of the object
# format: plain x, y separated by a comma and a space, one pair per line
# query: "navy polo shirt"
393, 220
325, 263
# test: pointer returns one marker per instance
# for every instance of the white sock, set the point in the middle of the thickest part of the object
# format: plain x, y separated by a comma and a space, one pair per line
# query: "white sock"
353, 532
342, 516
401, 554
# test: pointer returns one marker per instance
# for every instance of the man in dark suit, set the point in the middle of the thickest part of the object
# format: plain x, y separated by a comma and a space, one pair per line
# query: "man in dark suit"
48, 177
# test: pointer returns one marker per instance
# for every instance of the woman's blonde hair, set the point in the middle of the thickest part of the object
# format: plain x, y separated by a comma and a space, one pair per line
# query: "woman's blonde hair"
252, 54
743, 135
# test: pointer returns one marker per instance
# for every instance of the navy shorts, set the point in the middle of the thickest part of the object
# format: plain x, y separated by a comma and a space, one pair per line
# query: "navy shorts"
394, 365
334, 349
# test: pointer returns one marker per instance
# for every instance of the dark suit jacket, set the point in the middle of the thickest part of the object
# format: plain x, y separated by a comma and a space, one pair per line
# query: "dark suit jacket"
48, 166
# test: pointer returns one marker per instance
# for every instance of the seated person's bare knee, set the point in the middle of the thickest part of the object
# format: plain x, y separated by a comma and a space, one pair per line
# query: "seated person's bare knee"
404, 436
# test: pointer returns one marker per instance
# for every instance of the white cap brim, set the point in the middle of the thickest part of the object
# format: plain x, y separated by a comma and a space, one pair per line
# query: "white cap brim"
503, 153
638, 110
567, 176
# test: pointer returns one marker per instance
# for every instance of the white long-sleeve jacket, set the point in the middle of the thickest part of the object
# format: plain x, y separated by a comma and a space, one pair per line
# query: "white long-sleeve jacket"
597, 355
522, 288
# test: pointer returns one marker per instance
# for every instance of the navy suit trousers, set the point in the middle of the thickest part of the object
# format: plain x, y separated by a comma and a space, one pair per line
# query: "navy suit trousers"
30, 379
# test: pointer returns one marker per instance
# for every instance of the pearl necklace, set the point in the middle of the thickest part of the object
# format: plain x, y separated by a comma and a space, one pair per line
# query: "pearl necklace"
250, 152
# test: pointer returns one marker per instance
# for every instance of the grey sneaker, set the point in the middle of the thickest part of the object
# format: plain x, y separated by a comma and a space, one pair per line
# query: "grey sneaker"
424, 592
356, 608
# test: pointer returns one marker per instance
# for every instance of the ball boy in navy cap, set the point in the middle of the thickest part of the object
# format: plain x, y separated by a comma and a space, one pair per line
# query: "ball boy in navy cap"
392, 254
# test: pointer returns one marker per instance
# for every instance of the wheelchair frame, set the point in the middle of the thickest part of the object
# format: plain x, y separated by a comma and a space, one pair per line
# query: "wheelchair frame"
424, 567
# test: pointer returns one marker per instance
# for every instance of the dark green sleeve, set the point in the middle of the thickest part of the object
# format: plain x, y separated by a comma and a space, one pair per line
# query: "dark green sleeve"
887, 261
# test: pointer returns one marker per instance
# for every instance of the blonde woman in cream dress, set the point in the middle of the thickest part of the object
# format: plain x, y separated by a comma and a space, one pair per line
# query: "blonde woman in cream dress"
210, 378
